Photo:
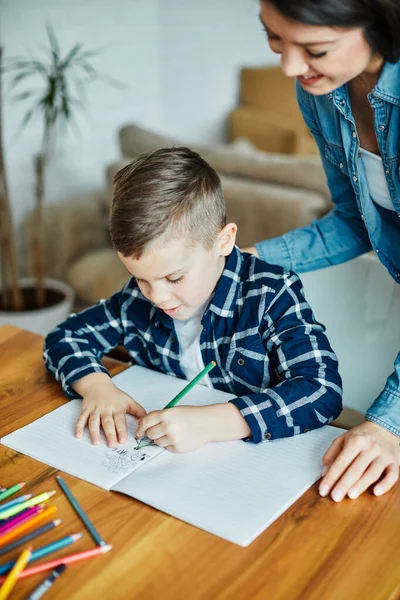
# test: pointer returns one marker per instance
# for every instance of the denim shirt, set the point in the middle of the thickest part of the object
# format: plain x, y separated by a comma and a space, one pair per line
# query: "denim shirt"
258, 328
356, 224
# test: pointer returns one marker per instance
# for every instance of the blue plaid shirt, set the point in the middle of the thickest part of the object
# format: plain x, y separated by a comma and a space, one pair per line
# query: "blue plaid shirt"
269, 349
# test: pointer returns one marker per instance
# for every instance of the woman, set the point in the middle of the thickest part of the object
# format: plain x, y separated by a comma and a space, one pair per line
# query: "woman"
345, 56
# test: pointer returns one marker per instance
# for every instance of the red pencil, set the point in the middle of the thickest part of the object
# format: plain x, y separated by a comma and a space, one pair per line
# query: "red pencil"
66, 560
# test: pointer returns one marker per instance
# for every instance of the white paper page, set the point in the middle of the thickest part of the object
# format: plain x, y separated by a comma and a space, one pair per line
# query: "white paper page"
232, 489
51, 440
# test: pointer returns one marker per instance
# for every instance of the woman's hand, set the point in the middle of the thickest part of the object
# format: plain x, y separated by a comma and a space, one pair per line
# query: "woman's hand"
357, 459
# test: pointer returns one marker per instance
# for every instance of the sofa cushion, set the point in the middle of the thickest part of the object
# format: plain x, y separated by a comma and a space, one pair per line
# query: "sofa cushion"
237, 158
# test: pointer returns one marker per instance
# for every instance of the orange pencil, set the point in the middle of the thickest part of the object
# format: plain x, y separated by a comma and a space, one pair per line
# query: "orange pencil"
28, 525
66, 560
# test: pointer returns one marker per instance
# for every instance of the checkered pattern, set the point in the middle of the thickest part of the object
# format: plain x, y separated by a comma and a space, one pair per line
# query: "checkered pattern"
269, 349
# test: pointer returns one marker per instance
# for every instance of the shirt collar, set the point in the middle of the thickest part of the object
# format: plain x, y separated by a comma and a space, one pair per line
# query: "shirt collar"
387, 88
388, 85
223, 301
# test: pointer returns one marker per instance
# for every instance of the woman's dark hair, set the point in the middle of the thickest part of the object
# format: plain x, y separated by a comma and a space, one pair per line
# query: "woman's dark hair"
379, 19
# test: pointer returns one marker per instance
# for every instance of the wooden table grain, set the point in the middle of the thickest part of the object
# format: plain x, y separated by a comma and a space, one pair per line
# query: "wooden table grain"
317, 550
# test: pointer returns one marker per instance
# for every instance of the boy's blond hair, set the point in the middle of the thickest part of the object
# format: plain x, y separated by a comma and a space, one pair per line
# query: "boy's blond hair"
171, 192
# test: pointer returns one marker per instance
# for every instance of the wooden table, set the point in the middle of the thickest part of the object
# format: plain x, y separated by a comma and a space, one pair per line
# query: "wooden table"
317, 550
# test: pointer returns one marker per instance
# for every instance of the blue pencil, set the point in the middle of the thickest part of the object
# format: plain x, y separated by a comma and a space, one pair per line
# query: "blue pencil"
16, 501
79, 510
30, 536
44, 550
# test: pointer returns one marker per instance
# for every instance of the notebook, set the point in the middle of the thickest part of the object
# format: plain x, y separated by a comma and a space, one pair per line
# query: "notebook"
231, 489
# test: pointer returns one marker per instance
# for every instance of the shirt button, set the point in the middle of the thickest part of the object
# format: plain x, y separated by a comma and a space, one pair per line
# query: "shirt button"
387, 171
363, 218
267, 435
341, 165
354, 178
173, 339
341, 102
377, 250
240, 361
382, 128
354, 134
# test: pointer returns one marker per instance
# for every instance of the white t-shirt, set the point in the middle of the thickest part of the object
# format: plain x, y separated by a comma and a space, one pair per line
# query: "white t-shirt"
188, 333
376, 179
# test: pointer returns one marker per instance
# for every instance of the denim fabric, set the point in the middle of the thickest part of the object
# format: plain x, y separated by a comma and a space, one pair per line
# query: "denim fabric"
356, 224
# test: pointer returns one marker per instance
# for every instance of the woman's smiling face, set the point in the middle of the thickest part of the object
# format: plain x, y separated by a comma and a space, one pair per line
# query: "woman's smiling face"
321, 58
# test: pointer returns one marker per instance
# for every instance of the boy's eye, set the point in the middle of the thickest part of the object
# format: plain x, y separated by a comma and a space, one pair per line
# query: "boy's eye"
175, 280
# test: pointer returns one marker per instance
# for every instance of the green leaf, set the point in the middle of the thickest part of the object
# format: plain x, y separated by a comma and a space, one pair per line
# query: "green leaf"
70, 56
55, 48
22, 96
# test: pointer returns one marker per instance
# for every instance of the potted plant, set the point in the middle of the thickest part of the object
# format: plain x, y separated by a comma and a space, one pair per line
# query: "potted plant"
38, 303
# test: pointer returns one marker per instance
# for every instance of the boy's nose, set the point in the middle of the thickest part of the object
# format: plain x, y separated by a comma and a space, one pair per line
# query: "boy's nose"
159, 296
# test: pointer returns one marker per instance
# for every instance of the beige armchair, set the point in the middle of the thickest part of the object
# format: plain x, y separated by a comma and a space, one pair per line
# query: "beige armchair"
268, 114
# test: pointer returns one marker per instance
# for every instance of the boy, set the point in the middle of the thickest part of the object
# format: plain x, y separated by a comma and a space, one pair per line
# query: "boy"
194, 297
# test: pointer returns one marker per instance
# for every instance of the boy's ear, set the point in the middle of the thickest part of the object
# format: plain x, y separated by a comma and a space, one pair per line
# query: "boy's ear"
226, 239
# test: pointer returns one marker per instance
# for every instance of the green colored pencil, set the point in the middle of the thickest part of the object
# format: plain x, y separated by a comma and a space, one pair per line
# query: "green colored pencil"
9, 512
145, 441
11, 490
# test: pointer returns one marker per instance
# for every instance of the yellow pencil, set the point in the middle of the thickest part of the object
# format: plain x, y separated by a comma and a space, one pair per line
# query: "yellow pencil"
12, 577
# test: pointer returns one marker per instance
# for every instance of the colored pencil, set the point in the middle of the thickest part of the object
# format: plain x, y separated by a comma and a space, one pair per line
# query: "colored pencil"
25, 515
47, 583
11, 490
80, 512
9, 512
30, 536
10, 580
63, 560
45, 550
10, 535
145, 441
16, 501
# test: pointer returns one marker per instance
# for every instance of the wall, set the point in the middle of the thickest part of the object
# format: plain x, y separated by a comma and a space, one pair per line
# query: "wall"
178, 60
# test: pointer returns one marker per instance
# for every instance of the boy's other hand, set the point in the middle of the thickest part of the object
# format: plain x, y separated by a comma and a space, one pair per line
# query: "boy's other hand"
104, 407
365, 455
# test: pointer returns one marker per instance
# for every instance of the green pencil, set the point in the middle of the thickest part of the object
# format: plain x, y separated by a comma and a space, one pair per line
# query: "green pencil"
146, 441
10, 491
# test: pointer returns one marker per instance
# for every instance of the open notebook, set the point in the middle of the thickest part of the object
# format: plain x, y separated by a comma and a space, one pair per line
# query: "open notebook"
231, 489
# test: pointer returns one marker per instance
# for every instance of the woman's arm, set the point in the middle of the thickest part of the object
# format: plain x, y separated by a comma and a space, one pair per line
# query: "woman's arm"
337, 237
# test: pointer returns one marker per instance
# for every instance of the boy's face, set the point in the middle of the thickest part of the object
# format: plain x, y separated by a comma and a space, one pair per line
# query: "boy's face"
178, 278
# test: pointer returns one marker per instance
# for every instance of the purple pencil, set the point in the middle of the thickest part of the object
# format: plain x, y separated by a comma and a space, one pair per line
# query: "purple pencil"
23, 516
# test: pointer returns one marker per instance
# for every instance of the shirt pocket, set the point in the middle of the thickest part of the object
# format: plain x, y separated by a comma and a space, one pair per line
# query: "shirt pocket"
336, 155
248, 365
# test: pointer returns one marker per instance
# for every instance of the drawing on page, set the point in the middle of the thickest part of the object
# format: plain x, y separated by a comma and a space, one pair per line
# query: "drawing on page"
121, 460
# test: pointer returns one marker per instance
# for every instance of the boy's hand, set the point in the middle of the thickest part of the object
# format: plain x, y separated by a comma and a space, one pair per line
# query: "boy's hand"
179, 429
185, 428
104, 406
